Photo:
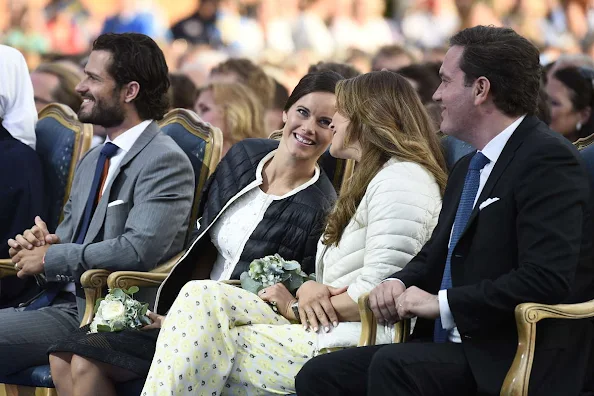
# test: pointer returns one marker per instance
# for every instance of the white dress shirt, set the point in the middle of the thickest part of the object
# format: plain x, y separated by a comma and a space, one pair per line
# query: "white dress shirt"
492, 151
125, 142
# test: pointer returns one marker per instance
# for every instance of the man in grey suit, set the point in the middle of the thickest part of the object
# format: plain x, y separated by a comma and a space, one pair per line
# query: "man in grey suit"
129, 204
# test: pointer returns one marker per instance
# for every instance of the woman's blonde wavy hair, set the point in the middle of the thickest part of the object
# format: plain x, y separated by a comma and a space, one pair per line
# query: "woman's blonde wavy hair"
388, 120
242, 111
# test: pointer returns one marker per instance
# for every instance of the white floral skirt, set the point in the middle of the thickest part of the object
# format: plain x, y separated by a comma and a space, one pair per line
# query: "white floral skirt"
222, 340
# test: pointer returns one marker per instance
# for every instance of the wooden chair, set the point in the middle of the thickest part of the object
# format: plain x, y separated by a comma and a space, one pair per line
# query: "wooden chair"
61, 141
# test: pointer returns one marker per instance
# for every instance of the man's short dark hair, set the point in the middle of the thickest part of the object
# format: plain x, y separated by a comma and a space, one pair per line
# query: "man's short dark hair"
136, 57
510, 63
426, 77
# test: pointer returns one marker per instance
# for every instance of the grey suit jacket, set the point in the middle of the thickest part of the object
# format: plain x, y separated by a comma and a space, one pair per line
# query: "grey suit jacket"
155, 181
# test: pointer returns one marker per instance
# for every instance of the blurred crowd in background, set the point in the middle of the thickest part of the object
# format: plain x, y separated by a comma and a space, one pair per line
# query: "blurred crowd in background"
286, 36
235, 40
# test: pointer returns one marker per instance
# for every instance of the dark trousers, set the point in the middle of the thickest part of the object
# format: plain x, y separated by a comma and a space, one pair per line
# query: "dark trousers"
397, 369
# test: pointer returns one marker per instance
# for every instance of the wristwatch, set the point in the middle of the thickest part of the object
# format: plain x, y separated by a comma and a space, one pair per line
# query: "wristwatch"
295, 308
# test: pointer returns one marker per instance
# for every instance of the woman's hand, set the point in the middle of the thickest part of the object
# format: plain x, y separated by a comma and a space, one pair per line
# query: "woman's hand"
315, 305
158, 321
281, 297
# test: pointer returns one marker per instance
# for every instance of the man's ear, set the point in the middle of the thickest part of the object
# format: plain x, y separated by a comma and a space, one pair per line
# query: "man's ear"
131, 91
482, 87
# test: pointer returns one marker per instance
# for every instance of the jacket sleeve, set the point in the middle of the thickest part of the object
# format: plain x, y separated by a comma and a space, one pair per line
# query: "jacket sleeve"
403, 203
552, 199
162, 202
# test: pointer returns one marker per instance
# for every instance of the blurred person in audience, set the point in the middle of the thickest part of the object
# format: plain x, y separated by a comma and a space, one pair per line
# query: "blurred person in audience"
182, 92
567, 60
310, 31
265, 197
245, 71
428, 23
201, 26
360, 60
344, 69
274, 116
392, 57
234, 109
361, 24
515, 227
198, 61
129, 204
240, 34
55, 83
137, 16
425, 80
22, 197
571, 97
25, 31
385, 213
67, 26
276, 18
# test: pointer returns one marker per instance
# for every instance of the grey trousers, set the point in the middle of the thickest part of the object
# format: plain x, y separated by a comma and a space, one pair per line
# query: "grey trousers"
25, 336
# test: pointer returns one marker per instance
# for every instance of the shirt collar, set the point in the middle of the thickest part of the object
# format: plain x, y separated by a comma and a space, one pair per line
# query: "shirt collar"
494, 148
267, 158
126, 140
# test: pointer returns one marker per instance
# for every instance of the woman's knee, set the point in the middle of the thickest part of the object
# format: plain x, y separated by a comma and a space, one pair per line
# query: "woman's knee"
81, 366
60, 364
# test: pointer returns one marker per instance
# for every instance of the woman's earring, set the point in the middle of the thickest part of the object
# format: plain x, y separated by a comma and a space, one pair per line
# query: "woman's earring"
578, 126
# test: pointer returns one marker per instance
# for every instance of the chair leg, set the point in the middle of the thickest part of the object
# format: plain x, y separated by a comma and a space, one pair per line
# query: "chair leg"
49, 392
18, 390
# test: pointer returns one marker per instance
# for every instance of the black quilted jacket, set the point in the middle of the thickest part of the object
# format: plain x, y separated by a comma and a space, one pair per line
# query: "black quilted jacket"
291, 227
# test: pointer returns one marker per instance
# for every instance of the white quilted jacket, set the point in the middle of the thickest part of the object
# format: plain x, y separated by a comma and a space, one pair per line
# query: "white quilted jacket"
393, 221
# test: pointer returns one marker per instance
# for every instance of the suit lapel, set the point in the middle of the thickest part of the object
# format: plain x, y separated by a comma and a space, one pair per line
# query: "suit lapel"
507, 155
99, 216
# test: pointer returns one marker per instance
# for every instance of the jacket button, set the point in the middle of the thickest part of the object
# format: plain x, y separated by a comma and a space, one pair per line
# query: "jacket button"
467, 337
458, 255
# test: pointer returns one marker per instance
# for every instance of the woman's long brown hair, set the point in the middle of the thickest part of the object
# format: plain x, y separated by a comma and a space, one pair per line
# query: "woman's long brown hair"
388, 120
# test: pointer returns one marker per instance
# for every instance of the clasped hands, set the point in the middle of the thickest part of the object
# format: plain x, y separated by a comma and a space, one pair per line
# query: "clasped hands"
315, 307
28, 249
391, 302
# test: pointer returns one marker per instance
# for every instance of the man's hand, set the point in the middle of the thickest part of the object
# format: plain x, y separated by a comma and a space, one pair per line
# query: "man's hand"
382, 301
281, 297
157, 319
417, 302
30, 262
315, 305
37, 236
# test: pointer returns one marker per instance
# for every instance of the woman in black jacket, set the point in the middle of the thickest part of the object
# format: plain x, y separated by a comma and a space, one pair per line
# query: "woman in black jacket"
265, 197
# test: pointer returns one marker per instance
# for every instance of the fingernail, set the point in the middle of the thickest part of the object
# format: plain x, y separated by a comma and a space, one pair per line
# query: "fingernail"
29, 246
326, 329
305, 327
335, 323
315, 329
37, 243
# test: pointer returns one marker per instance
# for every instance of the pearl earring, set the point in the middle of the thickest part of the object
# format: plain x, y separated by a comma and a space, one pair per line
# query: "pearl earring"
578, 126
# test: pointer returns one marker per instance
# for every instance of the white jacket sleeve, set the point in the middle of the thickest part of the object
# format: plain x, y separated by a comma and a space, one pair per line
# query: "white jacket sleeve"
403, 203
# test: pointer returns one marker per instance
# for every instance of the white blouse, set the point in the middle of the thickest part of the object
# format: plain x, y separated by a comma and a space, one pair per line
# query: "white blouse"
234, 226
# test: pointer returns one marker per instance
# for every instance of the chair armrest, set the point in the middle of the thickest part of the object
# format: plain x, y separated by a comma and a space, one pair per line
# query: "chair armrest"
93, 283
527, 315
369, 325
126, 279
7, 268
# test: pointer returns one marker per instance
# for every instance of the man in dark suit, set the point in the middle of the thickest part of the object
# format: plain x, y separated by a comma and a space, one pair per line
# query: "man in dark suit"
128, 208
514, 227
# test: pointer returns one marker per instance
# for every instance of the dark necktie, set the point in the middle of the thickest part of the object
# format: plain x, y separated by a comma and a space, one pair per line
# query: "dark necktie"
52, 289
109, 149
471, 185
